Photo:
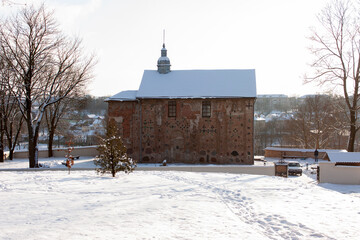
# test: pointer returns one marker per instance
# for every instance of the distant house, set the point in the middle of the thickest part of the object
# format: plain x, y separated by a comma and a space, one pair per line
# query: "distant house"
188, 116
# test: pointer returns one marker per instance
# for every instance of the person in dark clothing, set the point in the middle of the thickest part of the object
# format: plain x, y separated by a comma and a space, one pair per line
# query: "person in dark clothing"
316, 154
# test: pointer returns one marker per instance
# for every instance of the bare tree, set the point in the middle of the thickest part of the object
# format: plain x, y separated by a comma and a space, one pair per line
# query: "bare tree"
336, 47
48, 66
11, 117
53, 114
299, 127
13, 128
317, 122
12, 122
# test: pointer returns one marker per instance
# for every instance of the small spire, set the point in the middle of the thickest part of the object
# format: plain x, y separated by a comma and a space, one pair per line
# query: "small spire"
163, 63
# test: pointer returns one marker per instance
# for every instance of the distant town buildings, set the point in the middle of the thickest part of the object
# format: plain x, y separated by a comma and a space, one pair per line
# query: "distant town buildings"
274, 118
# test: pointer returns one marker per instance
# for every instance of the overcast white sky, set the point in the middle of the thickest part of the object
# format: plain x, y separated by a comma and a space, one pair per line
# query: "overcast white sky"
268, 36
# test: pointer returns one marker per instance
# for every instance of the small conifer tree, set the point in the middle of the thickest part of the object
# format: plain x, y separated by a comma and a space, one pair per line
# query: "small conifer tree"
112, 153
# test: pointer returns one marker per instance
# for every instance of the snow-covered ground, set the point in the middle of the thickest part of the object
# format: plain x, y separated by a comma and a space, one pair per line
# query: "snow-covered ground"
54, 162
172, 205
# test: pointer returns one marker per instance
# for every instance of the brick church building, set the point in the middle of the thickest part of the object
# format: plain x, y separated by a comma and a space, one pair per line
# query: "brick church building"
188, 116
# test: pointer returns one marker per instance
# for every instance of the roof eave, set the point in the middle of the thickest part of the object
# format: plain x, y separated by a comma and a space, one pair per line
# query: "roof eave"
194, 97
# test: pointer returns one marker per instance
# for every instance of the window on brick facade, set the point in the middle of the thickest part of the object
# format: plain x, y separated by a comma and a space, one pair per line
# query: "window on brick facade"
172, 109
206, 109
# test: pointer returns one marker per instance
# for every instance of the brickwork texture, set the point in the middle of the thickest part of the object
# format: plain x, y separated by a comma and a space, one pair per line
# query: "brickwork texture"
225, 136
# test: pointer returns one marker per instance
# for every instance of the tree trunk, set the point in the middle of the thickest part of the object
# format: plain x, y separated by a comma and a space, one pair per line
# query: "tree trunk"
11, 154
113, 172
10, 140
1, 140
351, 142
51, 141
11, 149
31, 150
1, 148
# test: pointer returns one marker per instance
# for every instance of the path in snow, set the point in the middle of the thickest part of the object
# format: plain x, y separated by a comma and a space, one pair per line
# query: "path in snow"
272, 226
291, 219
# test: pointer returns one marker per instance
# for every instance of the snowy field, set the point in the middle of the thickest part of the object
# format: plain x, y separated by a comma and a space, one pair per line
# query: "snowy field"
173, 205
54, 163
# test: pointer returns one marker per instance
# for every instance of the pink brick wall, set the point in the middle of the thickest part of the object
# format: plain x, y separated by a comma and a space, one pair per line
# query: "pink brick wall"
225, 137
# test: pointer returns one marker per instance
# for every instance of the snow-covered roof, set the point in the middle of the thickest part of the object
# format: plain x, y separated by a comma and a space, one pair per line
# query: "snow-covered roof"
344, 156
129, 95
272, 96
198, 84
306, 150
259, 119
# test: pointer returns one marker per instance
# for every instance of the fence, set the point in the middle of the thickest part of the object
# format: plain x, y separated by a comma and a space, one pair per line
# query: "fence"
256, 170
61, 152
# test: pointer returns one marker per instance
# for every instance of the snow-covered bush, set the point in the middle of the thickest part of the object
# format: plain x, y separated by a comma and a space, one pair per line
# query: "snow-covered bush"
113, 157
